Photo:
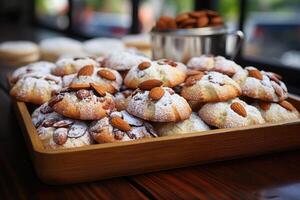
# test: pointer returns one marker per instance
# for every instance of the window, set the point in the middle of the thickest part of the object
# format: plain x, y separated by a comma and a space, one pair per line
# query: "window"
272, 29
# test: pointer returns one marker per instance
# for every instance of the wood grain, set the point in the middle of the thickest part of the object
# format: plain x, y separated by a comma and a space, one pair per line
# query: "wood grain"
128, 158
265, 177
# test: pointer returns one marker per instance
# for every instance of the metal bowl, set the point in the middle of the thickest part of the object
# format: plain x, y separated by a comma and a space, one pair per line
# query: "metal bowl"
182, 44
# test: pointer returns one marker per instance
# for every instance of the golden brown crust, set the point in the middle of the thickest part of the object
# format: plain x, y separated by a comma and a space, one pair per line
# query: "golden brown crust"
212, 87
169, 108
84, 107
169, 72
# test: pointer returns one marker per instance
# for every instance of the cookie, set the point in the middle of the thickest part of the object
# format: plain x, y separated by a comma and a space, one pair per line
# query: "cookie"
158, 104
18, 52
191, 125
277, 112
83, 103
169, 72
102, 46
58, 132
262, 85
41, 67
120, 126
210, 87
66, 66
36, 87
230, 114
210, 63
123, 60
107, 78
53, 48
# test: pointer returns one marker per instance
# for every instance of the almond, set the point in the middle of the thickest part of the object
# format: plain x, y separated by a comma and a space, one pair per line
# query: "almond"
255, 74
86, 71
287, 105
149, 84
193, 72
180, 18
264, 105
202, 22
239, 109
78, 86
120, 124
191, 80
216, 21
99, 89
60, 136
104, 73
156, 93
54, 100
197, 14
274, 78
144, 65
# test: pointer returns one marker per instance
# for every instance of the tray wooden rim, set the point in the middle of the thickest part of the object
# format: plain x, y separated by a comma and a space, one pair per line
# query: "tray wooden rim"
38, 147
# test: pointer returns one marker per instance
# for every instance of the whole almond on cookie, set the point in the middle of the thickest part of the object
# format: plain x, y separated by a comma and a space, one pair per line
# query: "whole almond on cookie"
156, 93
149, 84
191, 80
264, 105
99, 89
104, 73
255, 74
119, 123
144, 65
78, 86
239, 109
60, 136
86, 71
287, 105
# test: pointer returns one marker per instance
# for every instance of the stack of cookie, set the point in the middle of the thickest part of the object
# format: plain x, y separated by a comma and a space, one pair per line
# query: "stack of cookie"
127, 96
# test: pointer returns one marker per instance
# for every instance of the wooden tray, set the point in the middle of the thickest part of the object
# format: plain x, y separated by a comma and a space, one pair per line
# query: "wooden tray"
101, 161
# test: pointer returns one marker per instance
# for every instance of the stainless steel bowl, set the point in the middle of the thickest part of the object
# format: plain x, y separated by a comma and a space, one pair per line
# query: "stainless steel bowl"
182, 44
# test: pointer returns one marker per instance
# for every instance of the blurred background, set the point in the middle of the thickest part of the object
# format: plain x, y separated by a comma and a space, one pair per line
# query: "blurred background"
271, 27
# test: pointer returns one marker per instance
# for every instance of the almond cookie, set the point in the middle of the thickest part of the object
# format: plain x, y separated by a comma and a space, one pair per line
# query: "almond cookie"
210, 87
36, 87
65, 66
169, 72
41, 67
266, 86
277, 112
120, 126
102, 46
159, 105
107, 78
190, 125
83, 103
123, 60
210, 63
57, 132
230, 114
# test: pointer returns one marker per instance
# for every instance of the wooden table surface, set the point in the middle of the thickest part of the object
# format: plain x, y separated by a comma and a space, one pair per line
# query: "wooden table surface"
274, 176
